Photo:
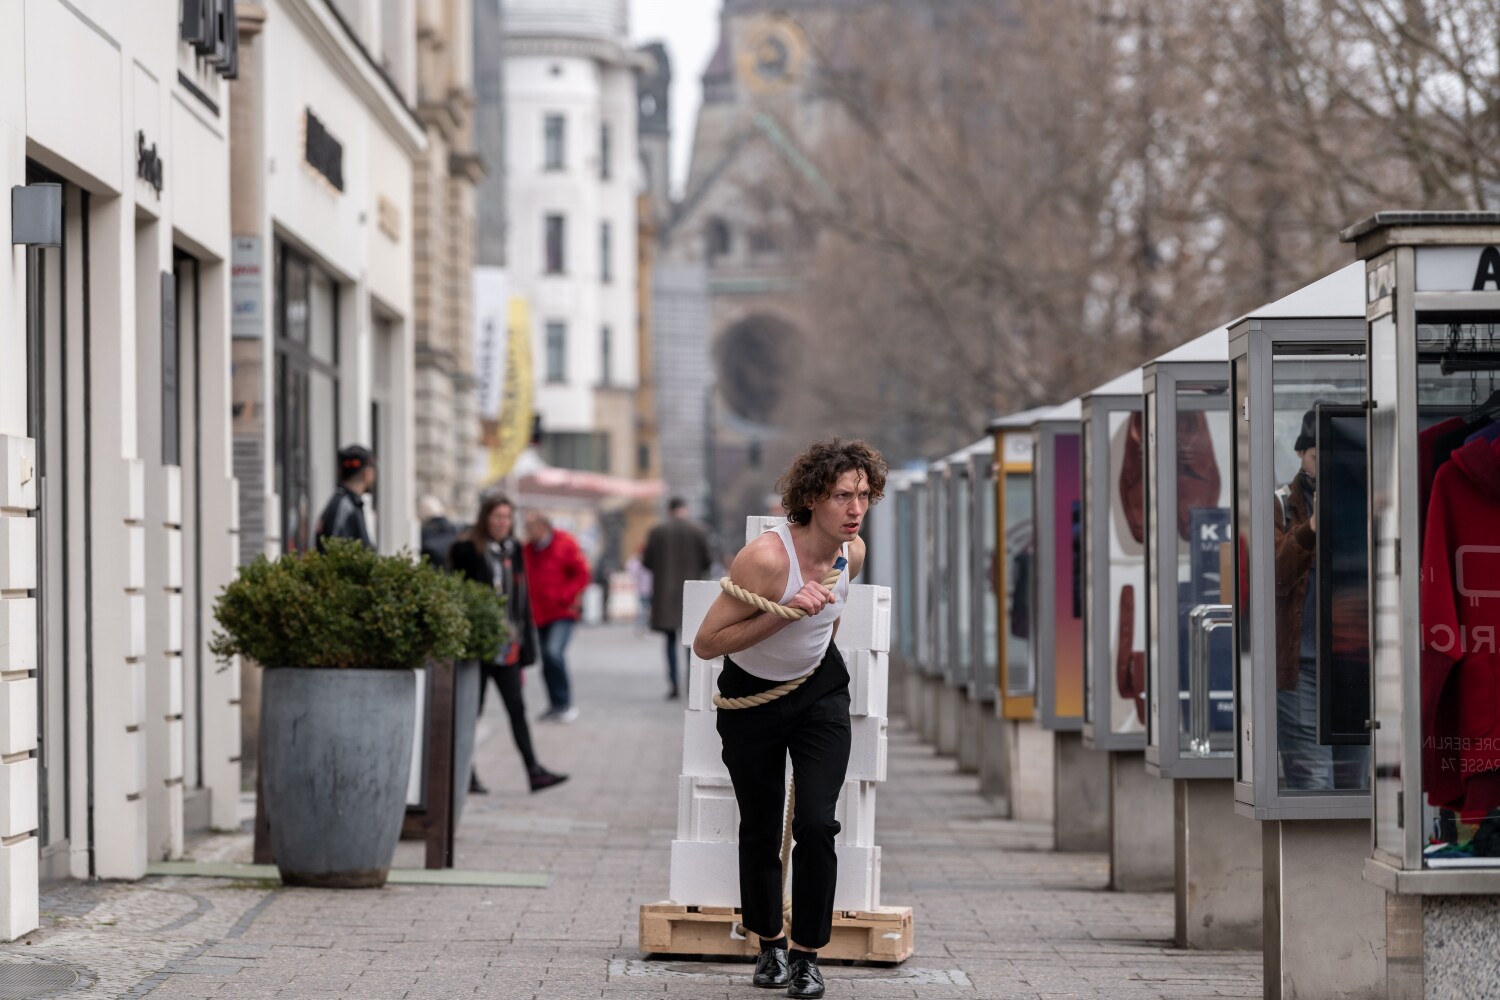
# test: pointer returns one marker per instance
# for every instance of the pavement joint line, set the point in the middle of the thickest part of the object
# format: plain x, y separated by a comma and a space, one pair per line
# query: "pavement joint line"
203, 907
472, 878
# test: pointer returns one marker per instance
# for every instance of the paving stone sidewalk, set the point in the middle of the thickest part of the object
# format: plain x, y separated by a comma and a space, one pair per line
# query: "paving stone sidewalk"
997, 914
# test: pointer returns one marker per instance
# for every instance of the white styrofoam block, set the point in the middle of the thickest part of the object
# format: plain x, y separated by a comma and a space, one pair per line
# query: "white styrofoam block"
135, 606
18, 797
174, 686
17, 553
18, 472
859, 879
19, 897
135, 569
863, 625
701, 746
18, 715
869, 674
17, 634
867, 754
706, 810
135, 499
174, 494
758, 524
174, 559
704, 874
703, 682
697, 595
856, 814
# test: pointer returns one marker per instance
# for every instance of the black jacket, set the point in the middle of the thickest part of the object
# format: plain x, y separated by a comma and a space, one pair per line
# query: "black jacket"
469, 559
438, 536
344, 517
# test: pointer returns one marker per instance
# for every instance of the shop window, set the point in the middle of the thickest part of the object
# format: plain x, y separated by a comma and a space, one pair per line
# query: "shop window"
554, 143
606, 352
606, 265
307, 393
606, 168
556, 249
557, 352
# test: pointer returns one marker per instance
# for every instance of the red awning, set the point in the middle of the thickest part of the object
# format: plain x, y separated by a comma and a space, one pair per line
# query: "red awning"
549, 481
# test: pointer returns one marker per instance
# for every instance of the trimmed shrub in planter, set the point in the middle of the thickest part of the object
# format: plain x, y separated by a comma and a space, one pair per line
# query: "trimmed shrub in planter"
340, 634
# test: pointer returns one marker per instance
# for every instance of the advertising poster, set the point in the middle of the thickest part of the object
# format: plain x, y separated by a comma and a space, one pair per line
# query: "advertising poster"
1067, 581
1125, 527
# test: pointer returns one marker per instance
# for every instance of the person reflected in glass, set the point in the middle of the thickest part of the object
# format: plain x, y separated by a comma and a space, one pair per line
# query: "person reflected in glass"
1306, 763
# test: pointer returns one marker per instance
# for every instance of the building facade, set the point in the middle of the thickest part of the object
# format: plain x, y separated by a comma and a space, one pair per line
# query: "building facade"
118, 513
325, 145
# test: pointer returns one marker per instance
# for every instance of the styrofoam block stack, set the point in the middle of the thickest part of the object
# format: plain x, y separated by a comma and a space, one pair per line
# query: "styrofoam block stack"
706, 811
705, 874
869, 674
866, 621
758, 524
859, 879
703, 681
697, 595
856, 815
701, 746
867, 751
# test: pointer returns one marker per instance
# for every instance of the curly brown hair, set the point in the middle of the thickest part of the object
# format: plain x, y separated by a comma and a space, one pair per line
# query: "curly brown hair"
812, 475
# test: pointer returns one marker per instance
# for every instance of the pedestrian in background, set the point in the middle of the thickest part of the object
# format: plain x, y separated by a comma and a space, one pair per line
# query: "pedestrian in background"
677, 551
489, 553
344, 516
439, 531
559, 575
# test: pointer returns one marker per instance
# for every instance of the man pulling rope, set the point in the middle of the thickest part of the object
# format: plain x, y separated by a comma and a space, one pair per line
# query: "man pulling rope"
784, 691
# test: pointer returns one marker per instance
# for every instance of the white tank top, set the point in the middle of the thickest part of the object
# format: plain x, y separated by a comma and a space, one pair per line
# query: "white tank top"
797, 649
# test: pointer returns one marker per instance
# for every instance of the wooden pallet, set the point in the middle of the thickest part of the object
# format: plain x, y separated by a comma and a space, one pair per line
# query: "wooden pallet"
879, 935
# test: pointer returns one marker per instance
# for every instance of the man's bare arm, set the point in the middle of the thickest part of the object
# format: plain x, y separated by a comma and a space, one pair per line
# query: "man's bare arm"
732, 625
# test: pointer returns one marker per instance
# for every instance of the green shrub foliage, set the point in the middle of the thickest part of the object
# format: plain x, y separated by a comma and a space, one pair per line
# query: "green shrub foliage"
488, 632
348, 607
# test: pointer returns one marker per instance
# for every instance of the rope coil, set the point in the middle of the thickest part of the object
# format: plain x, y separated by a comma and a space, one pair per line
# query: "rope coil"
766, 697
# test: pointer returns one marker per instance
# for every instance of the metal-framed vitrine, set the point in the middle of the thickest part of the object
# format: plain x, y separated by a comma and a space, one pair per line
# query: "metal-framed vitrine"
1057, 584
907, 496
1114, 565
1295, 364
959, 667
984, 672
1431, 297
1189, 658
1012, 527
935, 661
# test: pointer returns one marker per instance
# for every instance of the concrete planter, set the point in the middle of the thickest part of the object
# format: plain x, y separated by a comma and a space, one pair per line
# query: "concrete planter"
336, 756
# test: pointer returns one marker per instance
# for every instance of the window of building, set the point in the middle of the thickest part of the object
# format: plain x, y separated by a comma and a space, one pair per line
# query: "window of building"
554, 143
642, 459
585, 451
556, 250
717, 238
606, 352
557, 351
763, 240
606, 255
605, 153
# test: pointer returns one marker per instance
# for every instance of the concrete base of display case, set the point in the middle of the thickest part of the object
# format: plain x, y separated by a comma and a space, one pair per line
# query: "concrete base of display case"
1442, 946
996, 736
949, 706
1081, 796
1325, 926
1218, 878
1140, 825
970, 718
925, 710
1033, 772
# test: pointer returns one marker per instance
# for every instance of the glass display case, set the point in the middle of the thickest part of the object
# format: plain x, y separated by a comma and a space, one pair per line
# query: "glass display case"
935, 664
1013, 526
1114, 565
1431, 295
1294, 365
909, 494
1186, 399
984, 638
1056, 649
959, 666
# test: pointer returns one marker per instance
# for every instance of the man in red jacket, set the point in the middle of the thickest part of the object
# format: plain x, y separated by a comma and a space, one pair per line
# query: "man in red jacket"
559, 574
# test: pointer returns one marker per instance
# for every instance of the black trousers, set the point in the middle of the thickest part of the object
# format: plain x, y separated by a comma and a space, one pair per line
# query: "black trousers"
812, 725
508, 679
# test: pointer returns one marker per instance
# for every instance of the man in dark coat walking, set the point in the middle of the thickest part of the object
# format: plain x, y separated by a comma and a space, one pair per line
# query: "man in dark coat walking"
344, 516
676, 551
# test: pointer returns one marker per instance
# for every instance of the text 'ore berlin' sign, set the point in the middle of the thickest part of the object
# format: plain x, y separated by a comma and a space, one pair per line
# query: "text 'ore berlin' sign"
1458, 269
323, 152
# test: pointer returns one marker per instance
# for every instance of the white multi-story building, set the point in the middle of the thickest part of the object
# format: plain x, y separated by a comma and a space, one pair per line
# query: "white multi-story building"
117, 508
573, 178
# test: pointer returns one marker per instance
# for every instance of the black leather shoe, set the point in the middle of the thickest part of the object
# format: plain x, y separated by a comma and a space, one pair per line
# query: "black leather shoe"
771, 970
807, 980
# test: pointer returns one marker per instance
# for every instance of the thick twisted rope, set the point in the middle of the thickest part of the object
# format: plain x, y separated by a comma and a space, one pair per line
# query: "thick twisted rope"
765, 697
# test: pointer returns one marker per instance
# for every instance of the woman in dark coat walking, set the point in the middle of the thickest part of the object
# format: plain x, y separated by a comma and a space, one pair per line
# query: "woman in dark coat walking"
489, 553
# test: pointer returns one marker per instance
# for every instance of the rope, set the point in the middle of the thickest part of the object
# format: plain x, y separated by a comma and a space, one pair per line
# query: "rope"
766, 697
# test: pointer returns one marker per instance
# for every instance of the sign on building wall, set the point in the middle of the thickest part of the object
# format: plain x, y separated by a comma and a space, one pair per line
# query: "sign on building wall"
502, 371
247, 288
491, 300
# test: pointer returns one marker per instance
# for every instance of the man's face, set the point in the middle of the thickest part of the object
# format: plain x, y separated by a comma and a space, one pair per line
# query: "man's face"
844, 509
536, 528
1309, 461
